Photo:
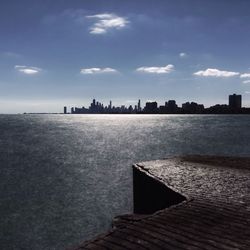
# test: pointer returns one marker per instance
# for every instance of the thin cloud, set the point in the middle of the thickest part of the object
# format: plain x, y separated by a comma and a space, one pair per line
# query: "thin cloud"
105, 22
246, 82
92, 71
216, 73
11, 54
157, 70
183, 55
245, 75
27, 69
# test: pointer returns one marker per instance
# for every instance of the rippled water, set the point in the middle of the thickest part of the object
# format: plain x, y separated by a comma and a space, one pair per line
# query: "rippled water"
64, 177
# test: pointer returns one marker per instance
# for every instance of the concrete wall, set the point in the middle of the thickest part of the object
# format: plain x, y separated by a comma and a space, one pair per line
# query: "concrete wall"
151, 195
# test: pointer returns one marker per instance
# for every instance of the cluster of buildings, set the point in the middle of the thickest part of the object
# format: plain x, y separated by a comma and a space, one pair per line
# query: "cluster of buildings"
98, 108
234, 107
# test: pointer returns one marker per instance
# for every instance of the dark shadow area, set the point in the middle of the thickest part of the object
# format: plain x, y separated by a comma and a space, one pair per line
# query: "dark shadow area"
150, 195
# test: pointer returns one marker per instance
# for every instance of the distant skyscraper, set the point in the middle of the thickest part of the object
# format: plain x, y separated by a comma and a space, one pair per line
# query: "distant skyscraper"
65, 110
235, 101
139, 105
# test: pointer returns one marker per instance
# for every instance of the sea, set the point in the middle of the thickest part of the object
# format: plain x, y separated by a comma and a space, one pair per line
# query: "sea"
64, 177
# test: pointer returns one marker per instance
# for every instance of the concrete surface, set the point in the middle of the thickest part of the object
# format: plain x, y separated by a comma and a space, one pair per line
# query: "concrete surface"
214, 214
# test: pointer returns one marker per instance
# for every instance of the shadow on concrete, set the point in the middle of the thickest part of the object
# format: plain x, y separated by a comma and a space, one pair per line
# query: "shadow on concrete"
151, 195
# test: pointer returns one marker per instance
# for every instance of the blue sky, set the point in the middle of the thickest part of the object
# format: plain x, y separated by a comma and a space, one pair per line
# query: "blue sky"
56, 53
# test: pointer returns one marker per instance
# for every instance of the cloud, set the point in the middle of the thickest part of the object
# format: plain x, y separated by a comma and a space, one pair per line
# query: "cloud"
105, 22
216, 73
246, 81
91, 71
28, 70
183, 55
247, 92
245, 75
11, 54
157, 70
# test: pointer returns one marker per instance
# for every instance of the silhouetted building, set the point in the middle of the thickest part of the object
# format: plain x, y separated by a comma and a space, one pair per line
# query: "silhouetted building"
162, 110
151, 107
170, 107
218, 109
65, 110
234, 101
80, 110
130, 109
192, 108
96, 107
139, 105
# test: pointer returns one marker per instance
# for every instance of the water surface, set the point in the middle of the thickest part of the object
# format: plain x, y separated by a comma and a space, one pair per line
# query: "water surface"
64, 177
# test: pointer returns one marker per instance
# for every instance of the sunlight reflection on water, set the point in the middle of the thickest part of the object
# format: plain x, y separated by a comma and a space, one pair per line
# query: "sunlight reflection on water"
64, 177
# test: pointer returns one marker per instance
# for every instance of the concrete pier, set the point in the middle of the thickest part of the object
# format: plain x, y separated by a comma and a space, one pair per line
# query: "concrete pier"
192, 202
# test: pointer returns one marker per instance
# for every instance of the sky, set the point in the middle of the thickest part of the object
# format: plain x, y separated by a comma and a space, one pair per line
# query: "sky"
65, 53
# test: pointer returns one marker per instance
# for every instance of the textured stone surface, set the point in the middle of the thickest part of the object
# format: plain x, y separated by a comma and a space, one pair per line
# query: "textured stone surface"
216, 214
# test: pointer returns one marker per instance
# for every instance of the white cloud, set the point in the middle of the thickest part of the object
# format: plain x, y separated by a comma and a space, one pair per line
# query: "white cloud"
183, 55
247, 92
28, 70
246, 81
245, 75
216, 73
107, 22
97, 71
157, 70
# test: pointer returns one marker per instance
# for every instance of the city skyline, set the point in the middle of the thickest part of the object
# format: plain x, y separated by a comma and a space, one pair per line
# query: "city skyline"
66, 51
234, 106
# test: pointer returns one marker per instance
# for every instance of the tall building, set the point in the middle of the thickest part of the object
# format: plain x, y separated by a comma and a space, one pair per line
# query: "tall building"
139, 105
65, 110
235, 101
